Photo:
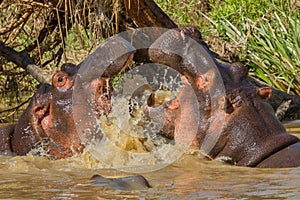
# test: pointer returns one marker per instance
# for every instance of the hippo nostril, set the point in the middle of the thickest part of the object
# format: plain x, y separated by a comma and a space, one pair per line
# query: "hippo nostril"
151, 100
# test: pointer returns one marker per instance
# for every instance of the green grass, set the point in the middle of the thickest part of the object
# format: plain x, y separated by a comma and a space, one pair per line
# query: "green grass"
270, 45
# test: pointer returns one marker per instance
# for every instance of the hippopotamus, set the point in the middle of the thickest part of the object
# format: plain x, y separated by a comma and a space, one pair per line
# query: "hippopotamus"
250, 135
48, 123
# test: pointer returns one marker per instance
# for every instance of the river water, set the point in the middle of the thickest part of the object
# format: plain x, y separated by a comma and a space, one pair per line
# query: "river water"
190, 177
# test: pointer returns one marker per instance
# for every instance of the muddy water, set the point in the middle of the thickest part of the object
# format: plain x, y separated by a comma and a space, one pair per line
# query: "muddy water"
189, 178
39, 178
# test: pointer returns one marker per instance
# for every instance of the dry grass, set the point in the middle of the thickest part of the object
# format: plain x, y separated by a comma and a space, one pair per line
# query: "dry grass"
22, 24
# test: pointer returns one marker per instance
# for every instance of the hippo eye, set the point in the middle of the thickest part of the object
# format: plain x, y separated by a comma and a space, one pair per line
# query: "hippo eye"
60, 79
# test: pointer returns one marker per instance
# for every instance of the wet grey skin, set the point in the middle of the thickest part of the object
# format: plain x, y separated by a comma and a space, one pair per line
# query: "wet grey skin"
137, 182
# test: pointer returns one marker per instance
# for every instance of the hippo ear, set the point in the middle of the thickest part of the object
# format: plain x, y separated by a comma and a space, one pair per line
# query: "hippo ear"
264, 92
69, 68
238, 71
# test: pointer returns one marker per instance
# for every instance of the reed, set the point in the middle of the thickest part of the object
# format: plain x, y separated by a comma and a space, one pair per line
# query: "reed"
264, 35
269, 45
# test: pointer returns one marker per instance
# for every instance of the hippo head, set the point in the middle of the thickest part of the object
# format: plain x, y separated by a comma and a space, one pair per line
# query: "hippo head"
250, 131
245, 130
49, 122
57, 123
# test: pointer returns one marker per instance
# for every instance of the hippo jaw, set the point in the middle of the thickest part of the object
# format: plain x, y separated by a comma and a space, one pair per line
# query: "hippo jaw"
29, 132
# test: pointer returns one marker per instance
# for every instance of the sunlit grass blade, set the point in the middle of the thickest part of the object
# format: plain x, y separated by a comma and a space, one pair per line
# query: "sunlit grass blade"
273, 47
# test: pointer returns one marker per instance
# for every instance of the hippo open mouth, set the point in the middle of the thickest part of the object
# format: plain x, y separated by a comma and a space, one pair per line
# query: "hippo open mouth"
229, 119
